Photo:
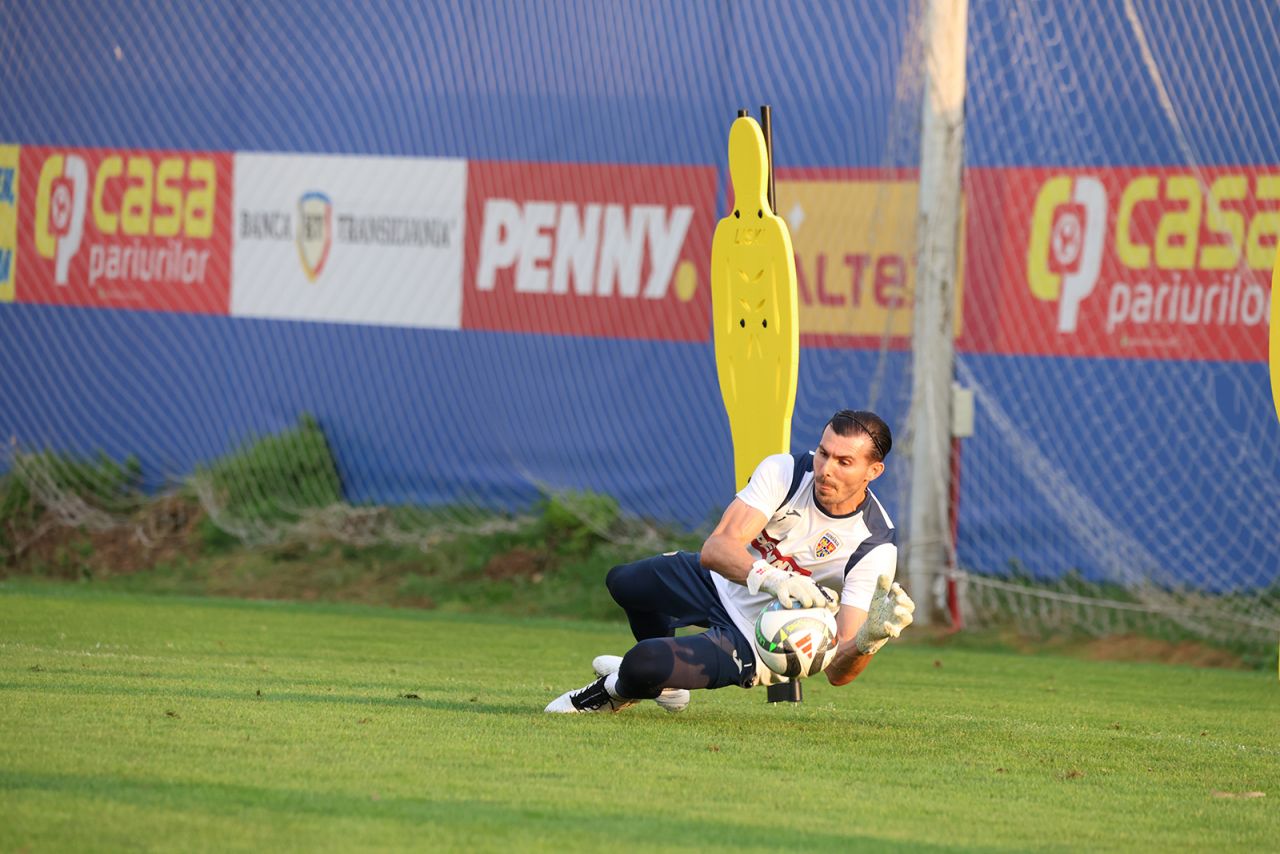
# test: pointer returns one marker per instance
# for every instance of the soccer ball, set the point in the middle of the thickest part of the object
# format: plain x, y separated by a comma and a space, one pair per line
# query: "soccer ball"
795, 642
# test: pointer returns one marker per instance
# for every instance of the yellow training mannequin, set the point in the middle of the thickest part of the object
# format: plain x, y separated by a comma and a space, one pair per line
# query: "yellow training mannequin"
1274, 348
1275, 331
754, 309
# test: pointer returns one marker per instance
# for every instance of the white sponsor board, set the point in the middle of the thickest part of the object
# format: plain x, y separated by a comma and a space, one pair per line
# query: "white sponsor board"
374, 240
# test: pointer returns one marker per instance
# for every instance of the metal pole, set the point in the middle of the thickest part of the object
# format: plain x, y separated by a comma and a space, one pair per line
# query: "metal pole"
791, 691
766, 126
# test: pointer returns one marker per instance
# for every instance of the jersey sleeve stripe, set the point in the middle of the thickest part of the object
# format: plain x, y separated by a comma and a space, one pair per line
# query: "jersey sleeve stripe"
882, 532
803, 465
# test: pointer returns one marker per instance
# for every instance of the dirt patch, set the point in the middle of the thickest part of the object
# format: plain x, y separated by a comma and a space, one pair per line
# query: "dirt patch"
519, 562
1138, 648
1120, 647
161, 532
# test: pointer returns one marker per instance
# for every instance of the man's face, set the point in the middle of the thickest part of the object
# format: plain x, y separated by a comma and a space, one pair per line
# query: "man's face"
842, 468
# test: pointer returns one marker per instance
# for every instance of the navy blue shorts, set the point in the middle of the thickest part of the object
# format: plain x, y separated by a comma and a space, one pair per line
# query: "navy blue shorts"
666, 592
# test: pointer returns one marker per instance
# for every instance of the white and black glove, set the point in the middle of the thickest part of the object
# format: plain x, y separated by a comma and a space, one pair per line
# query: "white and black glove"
887, 615
765, 676
789, 587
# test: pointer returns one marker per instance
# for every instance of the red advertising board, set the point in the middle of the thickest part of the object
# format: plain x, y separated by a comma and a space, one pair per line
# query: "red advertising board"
125, 229
1160, 263
597, 250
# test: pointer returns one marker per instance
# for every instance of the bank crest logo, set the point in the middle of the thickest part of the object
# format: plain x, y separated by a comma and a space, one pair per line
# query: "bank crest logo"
1064, 252
314, 233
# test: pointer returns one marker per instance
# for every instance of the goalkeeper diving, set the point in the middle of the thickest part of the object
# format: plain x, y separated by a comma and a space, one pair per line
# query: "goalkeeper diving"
807, 531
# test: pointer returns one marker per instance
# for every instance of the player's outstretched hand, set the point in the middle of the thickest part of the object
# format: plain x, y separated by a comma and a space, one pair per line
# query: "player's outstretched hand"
889, 613
790, 588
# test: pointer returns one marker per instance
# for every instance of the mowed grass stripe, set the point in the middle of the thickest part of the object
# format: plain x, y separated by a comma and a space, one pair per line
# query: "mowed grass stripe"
141, 722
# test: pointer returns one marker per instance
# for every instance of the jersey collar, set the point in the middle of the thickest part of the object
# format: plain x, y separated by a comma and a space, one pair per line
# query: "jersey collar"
866, 496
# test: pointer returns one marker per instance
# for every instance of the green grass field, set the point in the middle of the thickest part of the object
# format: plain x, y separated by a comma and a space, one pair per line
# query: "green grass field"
141, 722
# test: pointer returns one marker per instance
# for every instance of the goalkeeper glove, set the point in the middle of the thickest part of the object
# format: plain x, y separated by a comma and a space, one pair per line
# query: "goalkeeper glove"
887, 615
766, 677
788, 586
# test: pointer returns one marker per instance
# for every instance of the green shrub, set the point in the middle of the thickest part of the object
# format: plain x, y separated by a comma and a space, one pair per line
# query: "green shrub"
272, 478
573, 523
214, 540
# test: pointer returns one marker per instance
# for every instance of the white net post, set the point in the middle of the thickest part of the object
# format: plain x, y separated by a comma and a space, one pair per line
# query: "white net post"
937, 233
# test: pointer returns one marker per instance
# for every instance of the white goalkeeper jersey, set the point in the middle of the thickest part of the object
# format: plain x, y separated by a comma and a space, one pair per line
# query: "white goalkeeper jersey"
842, 553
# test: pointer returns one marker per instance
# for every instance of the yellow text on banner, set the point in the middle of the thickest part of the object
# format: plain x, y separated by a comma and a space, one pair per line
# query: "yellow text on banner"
855, 245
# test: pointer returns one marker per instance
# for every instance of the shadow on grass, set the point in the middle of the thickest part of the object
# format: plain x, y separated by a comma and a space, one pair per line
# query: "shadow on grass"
386, 699
530, 821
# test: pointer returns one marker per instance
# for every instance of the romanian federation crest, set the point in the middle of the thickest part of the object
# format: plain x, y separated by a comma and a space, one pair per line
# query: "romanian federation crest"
827, 544
315, 232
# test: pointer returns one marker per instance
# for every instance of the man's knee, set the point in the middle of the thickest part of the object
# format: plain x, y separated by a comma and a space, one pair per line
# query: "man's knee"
615, 577
614, 581
647, 667
624, 582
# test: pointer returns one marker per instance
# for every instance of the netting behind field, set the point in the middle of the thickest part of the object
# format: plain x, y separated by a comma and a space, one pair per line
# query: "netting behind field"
401, 271
1123, 213
398, 272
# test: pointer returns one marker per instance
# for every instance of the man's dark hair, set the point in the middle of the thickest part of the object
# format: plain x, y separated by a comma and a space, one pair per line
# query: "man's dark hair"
860, 422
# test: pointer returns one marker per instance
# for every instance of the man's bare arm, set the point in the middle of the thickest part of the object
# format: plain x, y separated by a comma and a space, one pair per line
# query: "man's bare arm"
862, 633
725, 551
848, 661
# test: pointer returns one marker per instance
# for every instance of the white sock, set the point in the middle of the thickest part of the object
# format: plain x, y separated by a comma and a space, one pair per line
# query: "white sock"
611, 685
